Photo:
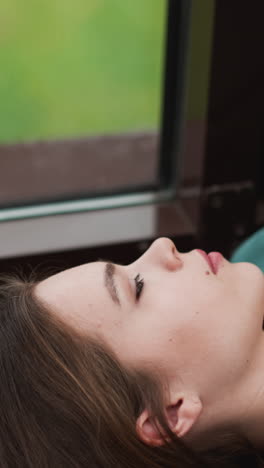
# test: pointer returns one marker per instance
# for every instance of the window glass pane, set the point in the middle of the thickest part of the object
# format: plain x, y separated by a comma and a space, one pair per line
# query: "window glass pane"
72, 70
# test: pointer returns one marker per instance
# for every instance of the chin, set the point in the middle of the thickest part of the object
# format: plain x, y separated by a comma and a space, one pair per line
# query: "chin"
251, 268
250, 283
255, 287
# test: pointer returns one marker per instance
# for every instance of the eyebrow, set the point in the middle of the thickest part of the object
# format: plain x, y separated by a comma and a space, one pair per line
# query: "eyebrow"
109, 281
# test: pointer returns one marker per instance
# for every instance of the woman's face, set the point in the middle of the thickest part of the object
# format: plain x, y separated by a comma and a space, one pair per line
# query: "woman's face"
176, 315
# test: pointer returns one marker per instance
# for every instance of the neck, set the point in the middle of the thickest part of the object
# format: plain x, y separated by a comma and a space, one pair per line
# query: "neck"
238, 410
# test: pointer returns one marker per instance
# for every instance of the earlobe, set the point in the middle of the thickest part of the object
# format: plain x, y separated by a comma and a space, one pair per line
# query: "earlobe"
147, 431
181, 416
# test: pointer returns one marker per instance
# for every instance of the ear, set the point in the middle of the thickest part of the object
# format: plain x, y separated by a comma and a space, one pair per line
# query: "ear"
181, 416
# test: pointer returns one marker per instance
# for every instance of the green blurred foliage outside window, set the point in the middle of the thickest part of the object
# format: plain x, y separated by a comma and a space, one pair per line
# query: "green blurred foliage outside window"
72, 68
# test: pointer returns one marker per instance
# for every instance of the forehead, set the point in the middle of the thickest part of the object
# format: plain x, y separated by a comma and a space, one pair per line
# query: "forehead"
73, 277
76, 291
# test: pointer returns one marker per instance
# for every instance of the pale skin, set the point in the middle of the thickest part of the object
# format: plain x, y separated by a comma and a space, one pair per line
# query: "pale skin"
202, 331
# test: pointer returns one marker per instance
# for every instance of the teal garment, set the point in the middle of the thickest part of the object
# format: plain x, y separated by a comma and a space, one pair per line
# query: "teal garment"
251, 250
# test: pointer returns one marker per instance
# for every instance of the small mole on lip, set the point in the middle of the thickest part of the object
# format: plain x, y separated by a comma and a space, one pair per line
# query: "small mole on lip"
207, 272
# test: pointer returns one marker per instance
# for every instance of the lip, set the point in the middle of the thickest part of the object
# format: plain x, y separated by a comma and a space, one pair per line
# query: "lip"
216, 259
213, 259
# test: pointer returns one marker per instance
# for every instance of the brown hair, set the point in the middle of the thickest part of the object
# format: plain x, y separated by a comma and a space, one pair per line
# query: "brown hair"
67, 402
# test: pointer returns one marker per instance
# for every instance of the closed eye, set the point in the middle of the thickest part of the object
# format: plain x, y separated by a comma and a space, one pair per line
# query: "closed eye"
139, 286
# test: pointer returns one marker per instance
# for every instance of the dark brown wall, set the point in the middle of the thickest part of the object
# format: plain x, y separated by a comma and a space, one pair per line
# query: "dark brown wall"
236, 103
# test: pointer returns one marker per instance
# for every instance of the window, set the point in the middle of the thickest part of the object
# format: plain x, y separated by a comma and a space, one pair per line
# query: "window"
93, 117
85, 79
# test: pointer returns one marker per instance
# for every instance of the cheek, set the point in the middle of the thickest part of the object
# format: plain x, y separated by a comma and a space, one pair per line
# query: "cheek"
220, 341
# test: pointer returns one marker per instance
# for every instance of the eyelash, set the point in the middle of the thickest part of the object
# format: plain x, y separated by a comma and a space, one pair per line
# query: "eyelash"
139, 286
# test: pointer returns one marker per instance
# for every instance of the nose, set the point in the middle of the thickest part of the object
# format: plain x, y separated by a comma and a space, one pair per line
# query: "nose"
163, 252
